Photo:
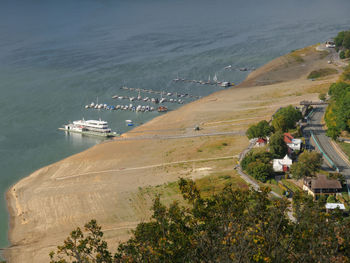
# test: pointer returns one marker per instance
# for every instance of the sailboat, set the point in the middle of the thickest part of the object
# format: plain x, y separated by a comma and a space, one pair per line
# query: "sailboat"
215, 78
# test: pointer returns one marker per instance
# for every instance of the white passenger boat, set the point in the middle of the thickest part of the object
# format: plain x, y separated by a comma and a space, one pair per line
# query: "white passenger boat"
90, 127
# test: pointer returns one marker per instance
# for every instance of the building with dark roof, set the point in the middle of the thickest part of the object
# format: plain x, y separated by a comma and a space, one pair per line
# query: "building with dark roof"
321, 185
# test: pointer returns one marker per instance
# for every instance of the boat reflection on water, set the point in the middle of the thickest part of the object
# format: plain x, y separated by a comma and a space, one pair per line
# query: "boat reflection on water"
79, 139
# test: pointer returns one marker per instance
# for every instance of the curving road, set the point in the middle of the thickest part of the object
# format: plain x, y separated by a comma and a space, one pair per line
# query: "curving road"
315, 127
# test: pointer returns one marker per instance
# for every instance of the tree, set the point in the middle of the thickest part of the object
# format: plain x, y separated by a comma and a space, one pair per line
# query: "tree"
331, 199
278, 147
260, 130
286, 118
338, 40
260, 171
307, 165
234, 225
342, 54
346, 40
322, 96
89, 249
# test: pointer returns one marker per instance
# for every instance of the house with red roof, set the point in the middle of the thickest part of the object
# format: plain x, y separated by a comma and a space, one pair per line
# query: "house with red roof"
292, 143
261, 142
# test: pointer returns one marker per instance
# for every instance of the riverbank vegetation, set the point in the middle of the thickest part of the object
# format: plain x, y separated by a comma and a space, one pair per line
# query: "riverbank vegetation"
322, 73
230, 226
342, 42
338, 111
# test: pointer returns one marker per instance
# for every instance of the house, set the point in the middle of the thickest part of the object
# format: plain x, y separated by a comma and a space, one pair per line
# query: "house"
261, 142
282, 165
292, 143
321, 185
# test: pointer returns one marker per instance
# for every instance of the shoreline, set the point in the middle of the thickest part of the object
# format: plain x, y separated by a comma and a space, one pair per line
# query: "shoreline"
22, 198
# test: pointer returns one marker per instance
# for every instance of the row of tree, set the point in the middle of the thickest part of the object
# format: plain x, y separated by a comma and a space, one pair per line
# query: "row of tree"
338, 111
231, 226
283, 120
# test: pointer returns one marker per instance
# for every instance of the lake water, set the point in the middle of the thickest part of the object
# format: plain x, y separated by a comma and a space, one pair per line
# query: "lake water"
57, 56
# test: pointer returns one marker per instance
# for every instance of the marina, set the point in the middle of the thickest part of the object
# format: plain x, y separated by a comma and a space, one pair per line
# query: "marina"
126, 107
162, 93
214, 81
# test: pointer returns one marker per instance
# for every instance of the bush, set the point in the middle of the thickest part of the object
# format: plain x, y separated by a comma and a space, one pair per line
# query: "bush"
307, 165
347, 53
322, 73
342, 54
260, 130
331, 199
322, 96
278, 147
286, 118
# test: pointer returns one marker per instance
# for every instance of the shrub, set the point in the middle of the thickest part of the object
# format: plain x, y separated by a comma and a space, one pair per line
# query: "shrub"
342, 54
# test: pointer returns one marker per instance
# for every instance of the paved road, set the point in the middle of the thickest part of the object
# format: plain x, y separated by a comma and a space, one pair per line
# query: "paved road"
325, 142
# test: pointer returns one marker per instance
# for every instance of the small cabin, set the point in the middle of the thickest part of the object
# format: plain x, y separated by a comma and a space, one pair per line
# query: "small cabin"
282, 165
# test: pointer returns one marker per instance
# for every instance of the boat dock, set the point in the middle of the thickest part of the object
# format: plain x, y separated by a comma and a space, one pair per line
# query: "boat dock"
162, 93
224, 84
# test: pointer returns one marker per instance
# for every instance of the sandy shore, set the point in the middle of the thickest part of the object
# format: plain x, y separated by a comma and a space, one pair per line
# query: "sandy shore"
104, 182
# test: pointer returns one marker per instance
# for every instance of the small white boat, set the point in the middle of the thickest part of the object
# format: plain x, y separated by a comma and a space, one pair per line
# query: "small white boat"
128, 121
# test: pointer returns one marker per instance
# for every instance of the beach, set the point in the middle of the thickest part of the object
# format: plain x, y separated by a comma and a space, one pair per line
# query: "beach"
104, 182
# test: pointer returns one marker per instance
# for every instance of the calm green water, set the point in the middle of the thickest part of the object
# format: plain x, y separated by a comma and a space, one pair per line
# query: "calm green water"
57, 56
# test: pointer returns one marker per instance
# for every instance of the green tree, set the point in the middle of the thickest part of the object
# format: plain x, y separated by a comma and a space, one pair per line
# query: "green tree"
342, 54
346, 40
331, 199
322, 96
338, 40
260, 171
233, 225
260, 130
286, 118
278, 147
347, 53
83, 249
307, 165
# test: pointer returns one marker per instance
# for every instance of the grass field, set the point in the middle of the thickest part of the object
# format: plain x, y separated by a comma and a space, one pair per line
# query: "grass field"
322, 73
345, 147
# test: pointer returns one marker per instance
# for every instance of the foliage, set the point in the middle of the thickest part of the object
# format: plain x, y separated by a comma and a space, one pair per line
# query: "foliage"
331, 199
338, 111
260, 171
338, 40
278, 147
286, 118
322, 96
322, 73
89, 249
342, 54
347, 53
237, 226
307, 165
257, 164
260, 130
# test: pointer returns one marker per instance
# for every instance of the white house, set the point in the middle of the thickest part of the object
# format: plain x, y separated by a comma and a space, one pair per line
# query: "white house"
282, 165
294, 144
